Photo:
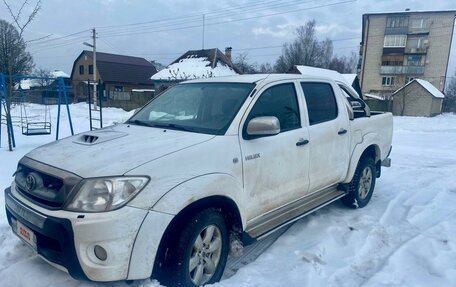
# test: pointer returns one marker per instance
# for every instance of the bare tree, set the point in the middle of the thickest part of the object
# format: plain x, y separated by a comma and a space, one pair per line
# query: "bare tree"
21, 25
14, 58
306, 49
266, 68
243, 64
45, 77
344, 64
177, 76
449, 103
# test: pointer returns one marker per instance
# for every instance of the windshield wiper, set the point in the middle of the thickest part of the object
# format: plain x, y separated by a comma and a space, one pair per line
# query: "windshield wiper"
172, 126
159, 125
141, 123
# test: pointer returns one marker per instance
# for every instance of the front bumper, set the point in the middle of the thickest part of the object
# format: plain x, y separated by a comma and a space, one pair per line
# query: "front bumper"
67, 239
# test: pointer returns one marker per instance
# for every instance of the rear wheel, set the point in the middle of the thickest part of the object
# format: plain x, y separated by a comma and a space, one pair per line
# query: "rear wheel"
199, 253
361, 187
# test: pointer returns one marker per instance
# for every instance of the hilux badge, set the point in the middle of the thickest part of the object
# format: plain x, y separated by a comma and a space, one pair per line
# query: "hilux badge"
30, 182
252, 156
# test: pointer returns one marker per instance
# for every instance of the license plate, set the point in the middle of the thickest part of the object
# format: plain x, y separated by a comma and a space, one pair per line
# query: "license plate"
26, 234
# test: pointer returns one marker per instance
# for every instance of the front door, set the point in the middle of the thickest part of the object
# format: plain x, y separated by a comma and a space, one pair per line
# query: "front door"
275, 167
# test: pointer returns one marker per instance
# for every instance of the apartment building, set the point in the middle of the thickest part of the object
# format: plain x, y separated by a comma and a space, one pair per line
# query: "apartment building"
401, 46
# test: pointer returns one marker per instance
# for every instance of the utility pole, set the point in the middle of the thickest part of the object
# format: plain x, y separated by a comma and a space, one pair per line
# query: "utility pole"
203, 29
94, 37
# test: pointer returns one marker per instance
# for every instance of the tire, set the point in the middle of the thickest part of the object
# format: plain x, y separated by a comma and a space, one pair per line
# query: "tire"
199, 252
362, 186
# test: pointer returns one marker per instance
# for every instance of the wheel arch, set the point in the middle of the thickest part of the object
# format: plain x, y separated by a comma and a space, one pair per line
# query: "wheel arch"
361, 151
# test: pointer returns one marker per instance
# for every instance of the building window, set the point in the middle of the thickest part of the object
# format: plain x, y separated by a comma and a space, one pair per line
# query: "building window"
415, 60
388, 81
118, 88
392, 60
417, 42
397, 22
81, 69
91, 69
418, 23
395, 41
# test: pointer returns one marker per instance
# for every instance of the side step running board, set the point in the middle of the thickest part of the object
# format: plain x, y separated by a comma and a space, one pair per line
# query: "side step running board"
263, 226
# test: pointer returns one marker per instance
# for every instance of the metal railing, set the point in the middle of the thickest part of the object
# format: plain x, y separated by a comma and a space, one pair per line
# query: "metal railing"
397, 70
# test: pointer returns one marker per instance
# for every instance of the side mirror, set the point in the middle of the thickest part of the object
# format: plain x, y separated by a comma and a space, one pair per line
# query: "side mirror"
359, 104
356, 104
263, 126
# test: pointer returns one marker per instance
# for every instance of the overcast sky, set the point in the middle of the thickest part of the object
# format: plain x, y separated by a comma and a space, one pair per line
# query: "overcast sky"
169, 28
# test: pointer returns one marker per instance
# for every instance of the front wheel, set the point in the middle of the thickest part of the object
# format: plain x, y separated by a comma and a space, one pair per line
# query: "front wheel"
361, 187
198, 256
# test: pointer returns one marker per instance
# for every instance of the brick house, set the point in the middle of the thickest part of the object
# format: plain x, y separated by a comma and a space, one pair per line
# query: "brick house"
418, 98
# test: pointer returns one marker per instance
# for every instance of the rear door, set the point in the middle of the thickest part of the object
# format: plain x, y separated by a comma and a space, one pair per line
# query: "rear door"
275, 167
328, 134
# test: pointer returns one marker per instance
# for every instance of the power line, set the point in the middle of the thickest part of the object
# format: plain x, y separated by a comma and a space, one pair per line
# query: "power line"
230, 21
216, 12
39, 42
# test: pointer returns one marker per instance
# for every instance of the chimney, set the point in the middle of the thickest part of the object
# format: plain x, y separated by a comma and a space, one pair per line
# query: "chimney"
228, 53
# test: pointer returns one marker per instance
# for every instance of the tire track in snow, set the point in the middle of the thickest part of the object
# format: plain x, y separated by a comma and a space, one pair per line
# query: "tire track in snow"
396, 228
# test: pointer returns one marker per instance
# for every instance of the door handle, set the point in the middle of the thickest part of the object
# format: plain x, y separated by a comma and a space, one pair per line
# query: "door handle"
302, 142
342, 131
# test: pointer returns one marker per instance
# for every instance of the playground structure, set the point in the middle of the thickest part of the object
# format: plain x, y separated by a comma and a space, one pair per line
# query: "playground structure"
99, 110
54, 92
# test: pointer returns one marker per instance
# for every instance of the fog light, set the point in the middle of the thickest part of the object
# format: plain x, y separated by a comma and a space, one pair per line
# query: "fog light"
100, 252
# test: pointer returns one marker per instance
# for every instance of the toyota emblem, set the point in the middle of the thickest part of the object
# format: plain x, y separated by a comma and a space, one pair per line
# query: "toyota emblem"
30, 182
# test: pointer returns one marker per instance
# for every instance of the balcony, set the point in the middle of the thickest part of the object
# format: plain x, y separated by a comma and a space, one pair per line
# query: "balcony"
399, 70
396, 30
393, 51
418, 30
415, 50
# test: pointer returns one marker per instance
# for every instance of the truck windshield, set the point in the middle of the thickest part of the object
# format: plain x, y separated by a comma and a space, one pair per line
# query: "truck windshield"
196, 107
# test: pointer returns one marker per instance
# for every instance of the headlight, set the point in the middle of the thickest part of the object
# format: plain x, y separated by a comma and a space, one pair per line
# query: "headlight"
105, 194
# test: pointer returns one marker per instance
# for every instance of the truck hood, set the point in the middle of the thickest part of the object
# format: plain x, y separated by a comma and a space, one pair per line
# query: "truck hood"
114, 150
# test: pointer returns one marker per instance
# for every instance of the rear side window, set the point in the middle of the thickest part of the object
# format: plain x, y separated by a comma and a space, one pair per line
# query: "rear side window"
321, 102
279, 101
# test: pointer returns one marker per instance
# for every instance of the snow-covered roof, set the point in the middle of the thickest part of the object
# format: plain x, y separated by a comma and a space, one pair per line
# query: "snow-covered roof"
350, 78
372, 96
331, 74
196, 65
193, 68
426, 85
26, 84
58, 73
430, 88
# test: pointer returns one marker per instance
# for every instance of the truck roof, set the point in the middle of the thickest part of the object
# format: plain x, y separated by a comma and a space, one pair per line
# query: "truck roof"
254, 78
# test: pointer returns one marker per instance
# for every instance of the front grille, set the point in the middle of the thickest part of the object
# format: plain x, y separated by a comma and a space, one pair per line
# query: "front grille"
44, 185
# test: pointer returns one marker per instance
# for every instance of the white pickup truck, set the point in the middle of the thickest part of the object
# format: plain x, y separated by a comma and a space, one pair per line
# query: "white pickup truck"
203, 168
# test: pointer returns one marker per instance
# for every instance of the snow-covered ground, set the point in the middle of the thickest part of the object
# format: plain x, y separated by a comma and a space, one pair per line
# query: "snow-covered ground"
406, 236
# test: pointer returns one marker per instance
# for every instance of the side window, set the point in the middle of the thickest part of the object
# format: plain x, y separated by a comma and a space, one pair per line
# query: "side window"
279, 101
321, 102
